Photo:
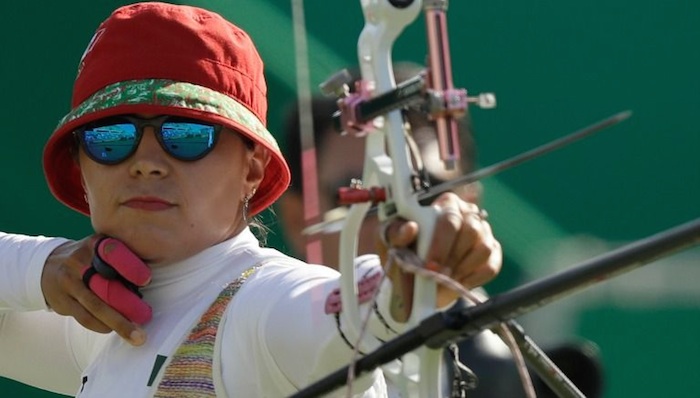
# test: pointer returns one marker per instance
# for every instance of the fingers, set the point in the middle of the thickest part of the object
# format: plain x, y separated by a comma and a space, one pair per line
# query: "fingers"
65, 292
123, 261
92, 312
462, 245
70, 306
115, 276
463, 237
108, 304
478, 266
119, 297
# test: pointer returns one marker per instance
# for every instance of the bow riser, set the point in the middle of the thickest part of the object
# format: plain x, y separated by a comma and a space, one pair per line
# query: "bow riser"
387, 165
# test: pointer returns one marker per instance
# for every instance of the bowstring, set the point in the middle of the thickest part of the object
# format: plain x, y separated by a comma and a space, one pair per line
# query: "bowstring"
409, 262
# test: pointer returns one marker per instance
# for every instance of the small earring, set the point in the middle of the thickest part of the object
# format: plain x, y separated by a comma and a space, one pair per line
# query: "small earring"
246, 205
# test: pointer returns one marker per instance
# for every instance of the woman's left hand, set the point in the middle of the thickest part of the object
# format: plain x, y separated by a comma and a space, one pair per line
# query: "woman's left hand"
462, 247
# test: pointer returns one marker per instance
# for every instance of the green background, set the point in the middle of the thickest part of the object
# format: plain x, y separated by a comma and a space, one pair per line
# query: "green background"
554, 66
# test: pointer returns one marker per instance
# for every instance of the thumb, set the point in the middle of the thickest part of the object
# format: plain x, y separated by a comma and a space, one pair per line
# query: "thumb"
399, 233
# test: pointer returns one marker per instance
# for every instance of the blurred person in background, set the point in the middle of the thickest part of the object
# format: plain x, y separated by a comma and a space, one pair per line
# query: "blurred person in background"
339, 160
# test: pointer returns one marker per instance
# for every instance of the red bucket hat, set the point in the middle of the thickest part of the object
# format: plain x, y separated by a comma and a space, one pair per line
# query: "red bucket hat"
170, 59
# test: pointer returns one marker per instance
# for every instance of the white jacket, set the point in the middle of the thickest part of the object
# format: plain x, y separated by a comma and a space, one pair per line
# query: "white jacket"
274, 339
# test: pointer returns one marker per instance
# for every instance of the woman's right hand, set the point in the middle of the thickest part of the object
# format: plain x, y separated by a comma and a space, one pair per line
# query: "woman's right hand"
66, 294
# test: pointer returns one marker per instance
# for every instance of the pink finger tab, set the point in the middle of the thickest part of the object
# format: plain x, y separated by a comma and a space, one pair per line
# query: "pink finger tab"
124, 301
124, 261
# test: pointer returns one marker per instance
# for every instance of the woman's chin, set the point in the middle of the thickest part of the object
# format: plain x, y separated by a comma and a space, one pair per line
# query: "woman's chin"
155, 252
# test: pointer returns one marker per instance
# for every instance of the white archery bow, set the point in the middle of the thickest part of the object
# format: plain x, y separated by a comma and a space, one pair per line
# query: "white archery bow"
387, 165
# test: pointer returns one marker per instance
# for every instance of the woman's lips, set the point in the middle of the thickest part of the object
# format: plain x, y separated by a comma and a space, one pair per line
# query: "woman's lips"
149, 204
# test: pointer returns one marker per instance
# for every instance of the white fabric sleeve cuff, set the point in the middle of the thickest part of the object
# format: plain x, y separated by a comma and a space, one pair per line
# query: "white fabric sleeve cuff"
22, 260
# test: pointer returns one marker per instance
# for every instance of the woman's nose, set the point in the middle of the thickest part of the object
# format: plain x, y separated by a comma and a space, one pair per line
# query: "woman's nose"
149, 158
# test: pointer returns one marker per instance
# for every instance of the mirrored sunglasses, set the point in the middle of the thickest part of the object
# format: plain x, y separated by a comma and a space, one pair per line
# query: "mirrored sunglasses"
112, 140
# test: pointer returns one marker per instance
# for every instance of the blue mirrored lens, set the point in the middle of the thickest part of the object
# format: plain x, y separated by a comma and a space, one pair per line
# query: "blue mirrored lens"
187, 140
112, 143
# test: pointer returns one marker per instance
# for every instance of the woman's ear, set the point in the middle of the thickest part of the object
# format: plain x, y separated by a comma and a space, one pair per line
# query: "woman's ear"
257, 162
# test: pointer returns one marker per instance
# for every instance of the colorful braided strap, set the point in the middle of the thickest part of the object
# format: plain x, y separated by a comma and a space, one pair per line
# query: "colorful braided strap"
189, 374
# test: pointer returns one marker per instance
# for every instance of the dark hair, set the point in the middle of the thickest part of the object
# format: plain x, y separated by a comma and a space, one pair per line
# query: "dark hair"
322, 112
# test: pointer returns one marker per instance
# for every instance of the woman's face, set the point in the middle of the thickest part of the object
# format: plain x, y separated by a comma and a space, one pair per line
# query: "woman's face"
165, 209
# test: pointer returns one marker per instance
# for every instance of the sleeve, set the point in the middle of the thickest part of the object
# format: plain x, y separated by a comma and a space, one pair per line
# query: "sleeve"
22, 261
37, 347
44, 350
289, 330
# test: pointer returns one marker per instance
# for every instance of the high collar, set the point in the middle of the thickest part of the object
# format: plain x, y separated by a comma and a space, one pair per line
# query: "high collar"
188, 279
